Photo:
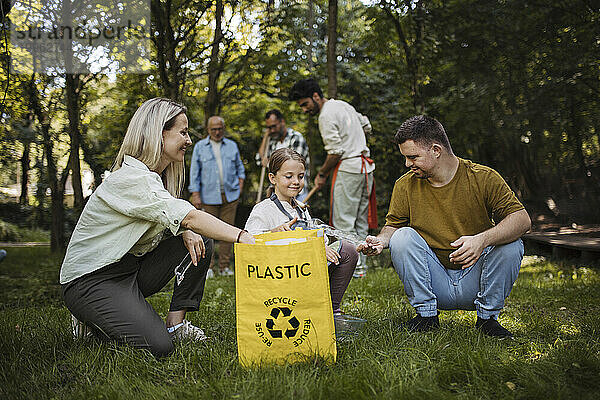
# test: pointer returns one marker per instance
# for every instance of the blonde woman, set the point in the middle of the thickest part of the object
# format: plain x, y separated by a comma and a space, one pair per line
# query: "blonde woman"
134, 231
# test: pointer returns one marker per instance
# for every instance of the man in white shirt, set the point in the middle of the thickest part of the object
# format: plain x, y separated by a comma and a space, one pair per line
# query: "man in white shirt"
352, 200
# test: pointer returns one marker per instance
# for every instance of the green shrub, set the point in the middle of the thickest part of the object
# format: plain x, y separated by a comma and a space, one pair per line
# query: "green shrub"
15, 213
9, 232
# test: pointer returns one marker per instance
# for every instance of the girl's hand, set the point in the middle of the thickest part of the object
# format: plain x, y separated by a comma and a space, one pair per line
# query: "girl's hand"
195, 245
285, 227
332, 255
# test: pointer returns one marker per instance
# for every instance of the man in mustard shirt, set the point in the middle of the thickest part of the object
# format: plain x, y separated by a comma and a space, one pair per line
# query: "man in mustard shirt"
453, 229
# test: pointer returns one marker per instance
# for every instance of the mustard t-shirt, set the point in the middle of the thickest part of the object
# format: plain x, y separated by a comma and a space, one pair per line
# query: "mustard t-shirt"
469, 204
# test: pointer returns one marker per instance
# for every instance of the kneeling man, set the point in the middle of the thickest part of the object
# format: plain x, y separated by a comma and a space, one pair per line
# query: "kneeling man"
453, 229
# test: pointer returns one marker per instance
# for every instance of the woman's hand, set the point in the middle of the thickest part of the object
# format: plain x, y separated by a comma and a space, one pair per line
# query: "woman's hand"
332, 255
246, 237
195, 245
285, 227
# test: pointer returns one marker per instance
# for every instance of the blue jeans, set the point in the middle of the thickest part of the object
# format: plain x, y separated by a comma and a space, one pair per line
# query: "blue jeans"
429, 285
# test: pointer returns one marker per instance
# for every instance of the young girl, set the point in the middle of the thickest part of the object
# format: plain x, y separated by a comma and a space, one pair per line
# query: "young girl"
281, 212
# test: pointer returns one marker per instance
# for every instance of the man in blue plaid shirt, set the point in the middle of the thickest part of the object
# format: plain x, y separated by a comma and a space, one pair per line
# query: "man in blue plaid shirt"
279, 136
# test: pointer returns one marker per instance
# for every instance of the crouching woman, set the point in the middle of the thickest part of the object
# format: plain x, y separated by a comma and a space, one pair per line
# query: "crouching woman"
133, 233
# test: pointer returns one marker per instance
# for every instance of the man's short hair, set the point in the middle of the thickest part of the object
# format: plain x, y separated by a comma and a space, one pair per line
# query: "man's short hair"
305, 88
274, 112
424, 131
218, 118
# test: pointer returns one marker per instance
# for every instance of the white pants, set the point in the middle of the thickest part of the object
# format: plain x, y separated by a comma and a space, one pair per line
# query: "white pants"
351, 202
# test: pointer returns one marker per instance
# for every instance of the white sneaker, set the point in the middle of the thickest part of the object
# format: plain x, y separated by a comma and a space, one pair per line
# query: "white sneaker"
210, 274
226, 272
79, 329
187, 332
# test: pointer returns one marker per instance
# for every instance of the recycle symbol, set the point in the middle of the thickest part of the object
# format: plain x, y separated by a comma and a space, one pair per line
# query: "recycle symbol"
282, 323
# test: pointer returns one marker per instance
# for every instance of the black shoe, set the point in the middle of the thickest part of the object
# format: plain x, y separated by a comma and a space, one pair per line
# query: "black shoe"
491, 327
422, 324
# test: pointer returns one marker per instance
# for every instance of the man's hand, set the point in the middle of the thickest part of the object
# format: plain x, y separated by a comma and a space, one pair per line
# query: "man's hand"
195, 245
371, 247
328, 166
262, 150
332, 255
320, 181
285, 227
196, 200
469, 250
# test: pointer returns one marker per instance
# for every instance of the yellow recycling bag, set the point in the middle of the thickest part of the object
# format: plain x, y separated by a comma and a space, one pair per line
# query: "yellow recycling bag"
283, 304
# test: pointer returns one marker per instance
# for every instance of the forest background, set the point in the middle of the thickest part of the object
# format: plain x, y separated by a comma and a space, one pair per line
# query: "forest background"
515, 83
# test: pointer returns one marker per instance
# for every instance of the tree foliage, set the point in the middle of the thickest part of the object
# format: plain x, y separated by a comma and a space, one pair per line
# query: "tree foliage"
515, 83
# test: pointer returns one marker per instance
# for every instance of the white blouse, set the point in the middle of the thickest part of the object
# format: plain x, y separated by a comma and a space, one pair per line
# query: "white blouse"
127, 213
266, 216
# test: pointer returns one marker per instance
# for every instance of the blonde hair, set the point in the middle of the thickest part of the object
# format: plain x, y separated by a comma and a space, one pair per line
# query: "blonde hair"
144, 140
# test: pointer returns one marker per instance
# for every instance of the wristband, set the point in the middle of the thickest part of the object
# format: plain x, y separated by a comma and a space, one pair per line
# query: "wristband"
239, 235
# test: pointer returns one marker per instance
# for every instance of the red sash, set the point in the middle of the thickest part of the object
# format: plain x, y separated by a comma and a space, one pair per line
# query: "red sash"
372, 213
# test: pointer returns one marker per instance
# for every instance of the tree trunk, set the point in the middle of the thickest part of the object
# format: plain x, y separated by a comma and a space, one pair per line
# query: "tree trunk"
331, 54
214, 70
57, 230
57, 226
72, 93
57, 208
25, 172
575, 134
72, 90
412, 48
169, 69
40, 192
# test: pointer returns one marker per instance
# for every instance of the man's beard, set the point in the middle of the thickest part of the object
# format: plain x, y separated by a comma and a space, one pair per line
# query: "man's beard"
315, 108
278, 135
282, 133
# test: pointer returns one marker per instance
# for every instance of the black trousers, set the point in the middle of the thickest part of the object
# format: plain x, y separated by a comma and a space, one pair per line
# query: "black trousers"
112, 300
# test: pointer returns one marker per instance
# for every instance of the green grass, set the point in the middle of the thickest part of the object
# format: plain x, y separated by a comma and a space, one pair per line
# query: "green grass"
553, 310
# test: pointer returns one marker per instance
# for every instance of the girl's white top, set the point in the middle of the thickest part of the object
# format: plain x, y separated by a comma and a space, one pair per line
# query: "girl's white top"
266, 216
127, 213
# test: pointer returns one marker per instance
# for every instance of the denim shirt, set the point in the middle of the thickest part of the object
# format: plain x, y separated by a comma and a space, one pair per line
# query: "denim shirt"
204, 172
